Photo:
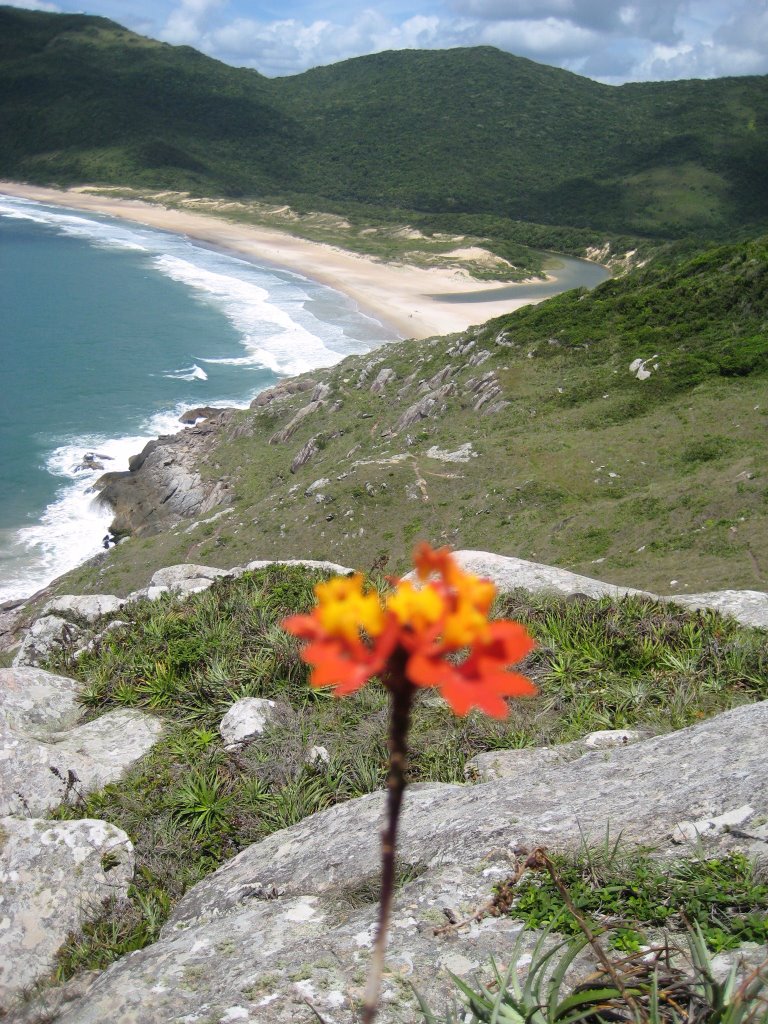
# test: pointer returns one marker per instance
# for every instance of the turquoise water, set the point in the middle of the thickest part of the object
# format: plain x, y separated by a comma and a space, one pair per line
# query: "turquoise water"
107, 332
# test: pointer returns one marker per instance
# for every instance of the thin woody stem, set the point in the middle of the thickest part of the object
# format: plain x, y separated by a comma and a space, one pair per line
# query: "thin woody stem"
400, 718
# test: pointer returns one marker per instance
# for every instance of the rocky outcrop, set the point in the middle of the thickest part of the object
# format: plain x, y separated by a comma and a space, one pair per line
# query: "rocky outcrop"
512, 573
202, 412
88, 606
276, 928
383, 378
47, 759
286, 433
53, 876
285, 389
56, 875
306, 453
748, 606
164, 483
432, 404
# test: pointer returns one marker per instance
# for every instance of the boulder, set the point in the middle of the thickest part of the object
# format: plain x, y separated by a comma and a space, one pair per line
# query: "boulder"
246, 720
747, 606
44, 637
53, 877
36, 775
186, 578
283, 924
37, 702
510, 573
383, 378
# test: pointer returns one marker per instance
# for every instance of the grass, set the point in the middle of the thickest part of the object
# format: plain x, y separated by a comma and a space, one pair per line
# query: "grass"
635, 895
189, 805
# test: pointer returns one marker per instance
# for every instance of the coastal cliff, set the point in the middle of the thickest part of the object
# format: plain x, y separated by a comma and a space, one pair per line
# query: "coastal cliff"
585, 431
163, 482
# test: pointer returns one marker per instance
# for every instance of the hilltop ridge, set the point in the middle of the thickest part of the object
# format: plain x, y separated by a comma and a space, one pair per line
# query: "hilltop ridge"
461, 136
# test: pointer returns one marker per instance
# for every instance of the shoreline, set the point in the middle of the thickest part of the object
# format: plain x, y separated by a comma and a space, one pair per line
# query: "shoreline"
400, 296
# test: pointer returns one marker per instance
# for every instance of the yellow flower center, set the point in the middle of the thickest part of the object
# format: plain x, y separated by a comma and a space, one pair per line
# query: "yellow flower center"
343, 609
418, 609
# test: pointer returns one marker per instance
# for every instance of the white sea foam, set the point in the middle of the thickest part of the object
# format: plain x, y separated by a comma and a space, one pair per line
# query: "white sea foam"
193, 372
273, 338
71, 528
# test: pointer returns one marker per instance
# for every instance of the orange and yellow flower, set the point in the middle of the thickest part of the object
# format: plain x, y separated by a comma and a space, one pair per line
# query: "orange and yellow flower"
419, 633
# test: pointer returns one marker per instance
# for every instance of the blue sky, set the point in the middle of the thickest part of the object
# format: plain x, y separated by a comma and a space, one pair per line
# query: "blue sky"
608, 40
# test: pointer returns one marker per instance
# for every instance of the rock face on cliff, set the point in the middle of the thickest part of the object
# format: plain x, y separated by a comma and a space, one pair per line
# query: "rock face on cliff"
164, 482
279, 927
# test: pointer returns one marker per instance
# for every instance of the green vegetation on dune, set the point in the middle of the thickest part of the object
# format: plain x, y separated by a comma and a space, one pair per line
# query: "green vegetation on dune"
657, 483
464, 132
190, 804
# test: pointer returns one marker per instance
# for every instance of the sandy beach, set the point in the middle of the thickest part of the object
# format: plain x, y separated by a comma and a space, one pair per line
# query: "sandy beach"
400, 296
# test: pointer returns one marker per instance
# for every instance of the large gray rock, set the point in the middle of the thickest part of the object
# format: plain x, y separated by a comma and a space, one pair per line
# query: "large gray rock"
282, 923
44, 637
747, 606
183, 579
37, 775
310, 563
87, 606
37, 702
510, 573
53, 876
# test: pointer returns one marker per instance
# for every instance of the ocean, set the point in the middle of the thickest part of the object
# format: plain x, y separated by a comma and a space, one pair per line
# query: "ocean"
108, 332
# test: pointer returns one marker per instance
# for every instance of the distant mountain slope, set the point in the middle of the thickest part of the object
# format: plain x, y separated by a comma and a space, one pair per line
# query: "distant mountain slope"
465, 130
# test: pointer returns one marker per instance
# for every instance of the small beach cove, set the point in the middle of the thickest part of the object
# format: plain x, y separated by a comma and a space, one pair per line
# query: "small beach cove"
418, 302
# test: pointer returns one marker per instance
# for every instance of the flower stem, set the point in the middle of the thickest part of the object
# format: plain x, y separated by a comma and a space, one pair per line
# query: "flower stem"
402, 692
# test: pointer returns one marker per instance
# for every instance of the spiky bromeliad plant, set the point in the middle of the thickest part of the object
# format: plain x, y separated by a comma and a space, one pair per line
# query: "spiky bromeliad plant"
436, 634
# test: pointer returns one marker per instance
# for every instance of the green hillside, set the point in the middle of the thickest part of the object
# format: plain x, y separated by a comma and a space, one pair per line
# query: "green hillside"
540, 442
463, 132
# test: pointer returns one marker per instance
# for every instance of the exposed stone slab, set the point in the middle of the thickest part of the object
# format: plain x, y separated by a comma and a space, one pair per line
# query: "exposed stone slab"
53, 875
508, 764
36, 776
37, 702
174, 575
87, 606
272, 929
750, 607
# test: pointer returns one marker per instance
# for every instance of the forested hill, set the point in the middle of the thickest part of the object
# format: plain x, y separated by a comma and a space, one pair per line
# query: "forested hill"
462, 131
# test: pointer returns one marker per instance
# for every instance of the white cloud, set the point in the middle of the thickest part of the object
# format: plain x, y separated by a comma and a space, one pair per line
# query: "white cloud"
284, 47
610, 40
186, 22
33, 5
549, 39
